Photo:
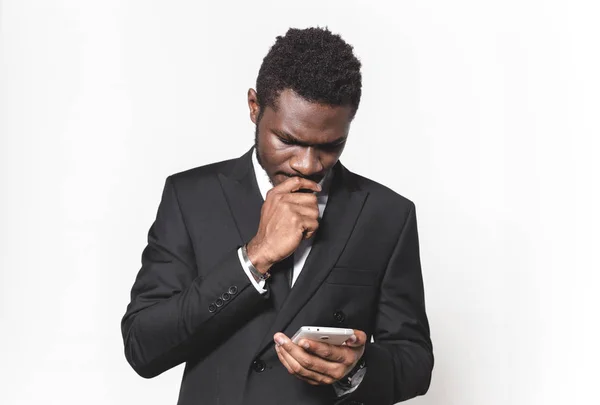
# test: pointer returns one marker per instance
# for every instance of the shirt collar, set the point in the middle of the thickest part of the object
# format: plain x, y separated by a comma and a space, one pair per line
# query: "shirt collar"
264, 184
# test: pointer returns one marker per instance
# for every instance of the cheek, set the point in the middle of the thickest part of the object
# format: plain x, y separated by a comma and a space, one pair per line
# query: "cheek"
276, 149
268, 142
274, 153
329, 159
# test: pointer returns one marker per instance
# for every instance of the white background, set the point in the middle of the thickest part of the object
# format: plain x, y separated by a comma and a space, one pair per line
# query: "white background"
484, 113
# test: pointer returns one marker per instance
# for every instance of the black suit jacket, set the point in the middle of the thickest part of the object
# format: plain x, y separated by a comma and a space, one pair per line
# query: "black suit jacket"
192, 302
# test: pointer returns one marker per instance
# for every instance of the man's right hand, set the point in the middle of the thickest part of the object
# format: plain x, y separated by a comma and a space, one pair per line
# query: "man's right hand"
287, 217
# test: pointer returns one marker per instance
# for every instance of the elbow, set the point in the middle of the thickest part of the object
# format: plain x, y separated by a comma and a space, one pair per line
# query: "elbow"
425, 380
135, 356
415, 380
145, 371
145, 355
140, 366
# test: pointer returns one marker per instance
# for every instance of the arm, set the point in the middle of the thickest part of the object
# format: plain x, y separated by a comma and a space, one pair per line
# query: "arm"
173, 313
401, 359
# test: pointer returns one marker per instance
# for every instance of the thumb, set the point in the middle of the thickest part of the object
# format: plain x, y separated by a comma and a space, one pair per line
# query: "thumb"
358, 339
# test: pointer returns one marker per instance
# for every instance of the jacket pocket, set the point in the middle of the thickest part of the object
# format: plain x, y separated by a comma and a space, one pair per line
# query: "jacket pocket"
351, 276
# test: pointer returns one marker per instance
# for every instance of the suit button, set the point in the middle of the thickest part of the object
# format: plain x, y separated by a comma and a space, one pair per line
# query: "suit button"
258, 365
233, 290
226, 296
212, 308
339, 316
219, 302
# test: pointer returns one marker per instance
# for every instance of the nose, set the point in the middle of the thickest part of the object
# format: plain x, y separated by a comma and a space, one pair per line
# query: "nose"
306, 162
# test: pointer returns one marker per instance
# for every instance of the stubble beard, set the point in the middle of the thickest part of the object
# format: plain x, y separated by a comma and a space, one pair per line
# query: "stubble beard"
258, 154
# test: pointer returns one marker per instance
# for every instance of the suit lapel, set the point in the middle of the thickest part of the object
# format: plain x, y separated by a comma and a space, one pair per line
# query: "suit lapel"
243, 196
343, 208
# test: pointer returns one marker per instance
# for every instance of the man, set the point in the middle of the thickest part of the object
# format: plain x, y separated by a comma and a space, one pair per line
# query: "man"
245, 252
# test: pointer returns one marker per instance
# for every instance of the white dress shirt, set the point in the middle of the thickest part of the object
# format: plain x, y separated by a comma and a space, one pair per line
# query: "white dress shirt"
301, 253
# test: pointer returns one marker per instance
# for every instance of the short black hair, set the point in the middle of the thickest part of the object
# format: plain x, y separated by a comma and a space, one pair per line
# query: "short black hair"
316, 64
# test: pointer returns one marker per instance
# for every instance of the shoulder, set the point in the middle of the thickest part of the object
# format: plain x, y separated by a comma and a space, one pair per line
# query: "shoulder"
202, 175
380, 198
375, 189
208, 170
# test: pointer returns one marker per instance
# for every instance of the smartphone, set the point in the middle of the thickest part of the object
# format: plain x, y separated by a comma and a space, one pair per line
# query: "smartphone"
334, 336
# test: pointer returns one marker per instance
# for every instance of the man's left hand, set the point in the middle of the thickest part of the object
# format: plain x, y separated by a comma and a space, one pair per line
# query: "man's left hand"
320, 363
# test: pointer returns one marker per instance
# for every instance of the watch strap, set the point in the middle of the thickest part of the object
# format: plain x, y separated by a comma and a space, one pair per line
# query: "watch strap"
258, 276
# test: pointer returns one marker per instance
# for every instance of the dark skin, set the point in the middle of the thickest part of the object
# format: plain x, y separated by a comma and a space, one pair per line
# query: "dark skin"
297, 144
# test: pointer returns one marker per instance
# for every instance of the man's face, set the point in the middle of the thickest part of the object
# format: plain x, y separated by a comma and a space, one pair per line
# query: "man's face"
299, 139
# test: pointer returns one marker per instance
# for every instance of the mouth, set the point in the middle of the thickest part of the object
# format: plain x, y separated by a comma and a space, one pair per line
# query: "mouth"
315, 178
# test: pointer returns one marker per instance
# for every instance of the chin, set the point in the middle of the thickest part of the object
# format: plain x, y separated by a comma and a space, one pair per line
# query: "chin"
275, 180
278, 179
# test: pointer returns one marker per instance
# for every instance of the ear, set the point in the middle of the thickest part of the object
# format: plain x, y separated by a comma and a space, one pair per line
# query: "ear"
253, 105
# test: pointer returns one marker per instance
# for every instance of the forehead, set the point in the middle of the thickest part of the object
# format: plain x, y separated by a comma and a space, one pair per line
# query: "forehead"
309, 121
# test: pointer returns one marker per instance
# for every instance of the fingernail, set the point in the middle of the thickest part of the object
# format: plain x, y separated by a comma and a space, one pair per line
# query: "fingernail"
304, 344
279, 340
353, 339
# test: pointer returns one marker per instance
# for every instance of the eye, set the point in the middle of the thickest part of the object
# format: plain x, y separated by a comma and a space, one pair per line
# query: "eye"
334, 146
285, 141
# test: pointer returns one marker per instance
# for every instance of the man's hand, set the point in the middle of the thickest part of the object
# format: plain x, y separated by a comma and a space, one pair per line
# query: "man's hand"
320, 363
287, 216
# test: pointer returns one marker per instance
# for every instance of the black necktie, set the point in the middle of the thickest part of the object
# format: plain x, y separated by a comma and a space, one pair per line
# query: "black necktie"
280, 281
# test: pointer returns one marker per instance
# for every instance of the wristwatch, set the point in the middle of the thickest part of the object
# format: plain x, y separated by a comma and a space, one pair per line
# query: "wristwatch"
258, 276
357, 372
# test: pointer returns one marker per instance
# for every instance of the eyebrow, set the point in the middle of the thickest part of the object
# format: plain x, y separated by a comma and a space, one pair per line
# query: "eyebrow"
290, 138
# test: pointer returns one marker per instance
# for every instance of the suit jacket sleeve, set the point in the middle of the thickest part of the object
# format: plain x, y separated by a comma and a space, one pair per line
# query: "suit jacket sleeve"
400, 362
173, 313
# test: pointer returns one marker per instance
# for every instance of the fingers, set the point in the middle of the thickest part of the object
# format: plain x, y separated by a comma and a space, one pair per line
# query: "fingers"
295, 184
301, 199
289, 368
300, 367
309, 227
306, 211
306, 366
308, 234
283, 360
306, 220
347, 355
294, 203
358, 339
336, 354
